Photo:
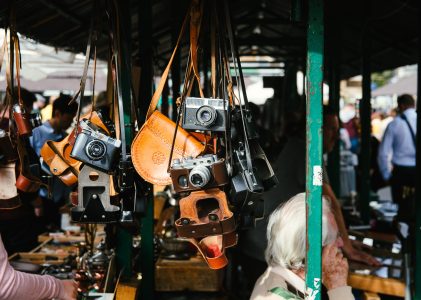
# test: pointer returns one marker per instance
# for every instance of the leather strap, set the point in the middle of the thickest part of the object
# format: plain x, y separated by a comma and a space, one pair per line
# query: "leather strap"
195, 24
205, 229
213, 52
240, 81
414, 140
160, 88
91, 41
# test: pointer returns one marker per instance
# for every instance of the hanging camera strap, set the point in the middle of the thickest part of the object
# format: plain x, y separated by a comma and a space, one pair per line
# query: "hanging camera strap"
239, 82
92, 38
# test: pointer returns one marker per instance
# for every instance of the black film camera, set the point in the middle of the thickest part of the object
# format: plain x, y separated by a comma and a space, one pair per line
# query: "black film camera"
205, 114
35, 120
95, 148
245, 181
203, 172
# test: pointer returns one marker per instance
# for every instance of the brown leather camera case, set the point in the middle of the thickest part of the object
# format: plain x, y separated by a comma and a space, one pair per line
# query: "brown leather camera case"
200, 218
151, 148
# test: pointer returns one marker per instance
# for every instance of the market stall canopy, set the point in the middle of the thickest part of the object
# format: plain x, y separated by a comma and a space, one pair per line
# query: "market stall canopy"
404, 85
264, 28
47, 68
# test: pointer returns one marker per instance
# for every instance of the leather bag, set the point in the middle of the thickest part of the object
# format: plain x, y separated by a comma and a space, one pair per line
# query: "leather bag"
151, 148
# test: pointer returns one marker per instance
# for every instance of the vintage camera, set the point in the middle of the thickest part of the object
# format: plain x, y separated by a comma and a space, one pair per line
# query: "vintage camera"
95, 148
205, 114
237, 130
35, 120
22, 120
203, 172
246, 181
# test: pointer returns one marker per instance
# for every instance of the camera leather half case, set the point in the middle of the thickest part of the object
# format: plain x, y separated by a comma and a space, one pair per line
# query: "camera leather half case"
151, 148
53, 155
212, 248
22, 120
9, 198
205, 213
26, 181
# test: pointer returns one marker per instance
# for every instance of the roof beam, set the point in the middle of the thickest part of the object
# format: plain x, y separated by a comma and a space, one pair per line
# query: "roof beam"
62, 11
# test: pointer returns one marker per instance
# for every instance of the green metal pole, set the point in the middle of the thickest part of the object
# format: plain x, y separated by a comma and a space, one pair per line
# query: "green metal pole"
315, 37
365, 118
418, 174
124, 238
145, 95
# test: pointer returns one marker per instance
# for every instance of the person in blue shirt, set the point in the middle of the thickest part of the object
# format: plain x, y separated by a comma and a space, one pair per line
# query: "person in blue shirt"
396, 157
55, 130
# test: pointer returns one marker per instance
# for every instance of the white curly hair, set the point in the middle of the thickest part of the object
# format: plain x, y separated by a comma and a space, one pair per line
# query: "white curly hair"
286, 233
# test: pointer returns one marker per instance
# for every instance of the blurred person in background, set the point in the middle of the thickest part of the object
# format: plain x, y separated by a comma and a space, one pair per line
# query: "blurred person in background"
54, 129
396, 156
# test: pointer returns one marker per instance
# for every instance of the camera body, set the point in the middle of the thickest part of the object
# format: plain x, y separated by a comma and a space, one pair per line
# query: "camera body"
35, 120
237, 128
205, 114
95, 148
203, 172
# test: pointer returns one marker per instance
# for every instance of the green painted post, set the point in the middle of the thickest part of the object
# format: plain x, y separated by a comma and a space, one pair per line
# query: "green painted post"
124, 239
365, 117
418, 174
315, 37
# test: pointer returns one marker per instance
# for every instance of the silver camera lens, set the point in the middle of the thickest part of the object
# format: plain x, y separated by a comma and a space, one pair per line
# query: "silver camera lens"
206, 115
96, 149
199, 176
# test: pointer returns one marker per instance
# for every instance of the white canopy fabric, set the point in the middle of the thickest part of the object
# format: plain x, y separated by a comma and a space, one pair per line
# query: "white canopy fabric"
404, 85
47, 68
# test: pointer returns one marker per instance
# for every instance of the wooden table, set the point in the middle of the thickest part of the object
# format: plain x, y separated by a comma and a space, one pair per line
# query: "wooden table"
389, 280
181, 275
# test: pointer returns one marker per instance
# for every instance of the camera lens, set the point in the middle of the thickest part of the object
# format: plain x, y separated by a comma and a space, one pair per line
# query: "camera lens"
206, 115
199, 176
182, 181
96, 149
35, 119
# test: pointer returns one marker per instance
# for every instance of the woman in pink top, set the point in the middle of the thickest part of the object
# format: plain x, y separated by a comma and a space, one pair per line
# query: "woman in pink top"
16, 285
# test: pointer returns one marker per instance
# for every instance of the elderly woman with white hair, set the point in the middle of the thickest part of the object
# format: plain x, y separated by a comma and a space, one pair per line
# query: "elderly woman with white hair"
286, 254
